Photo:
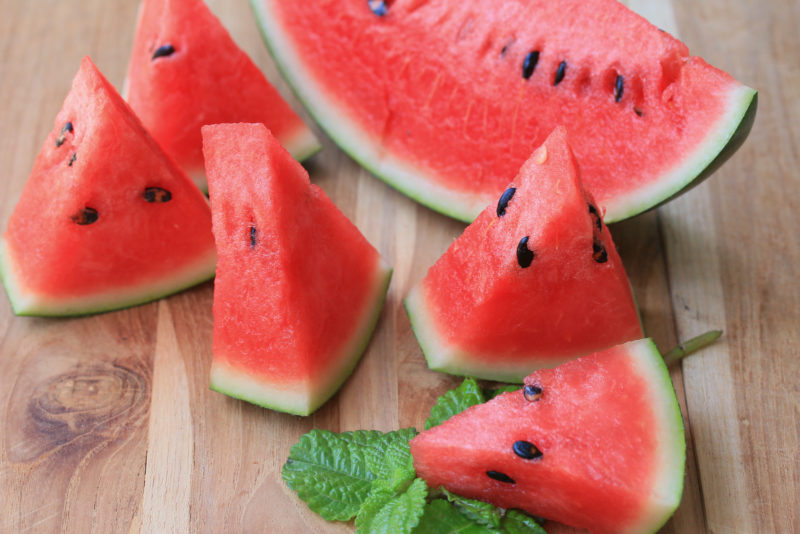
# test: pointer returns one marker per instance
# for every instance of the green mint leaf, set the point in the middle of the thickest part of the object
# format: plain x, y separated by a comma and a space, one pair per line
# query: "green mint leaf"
455, 401
389, 457
494, 392
442, 517
387, 512
329, 472
479, 512
517, 522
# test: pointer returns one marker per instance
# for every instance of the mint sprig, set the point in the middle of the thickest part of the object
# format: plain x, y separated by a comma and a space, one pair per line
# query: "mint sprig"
387, 512
455, 401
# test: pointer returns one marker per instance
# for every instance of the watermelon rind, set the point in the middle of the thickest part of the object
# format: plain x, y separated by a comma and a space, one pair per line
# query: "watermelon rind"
667, 486
450, 359
305, 398
27, 303
721, 142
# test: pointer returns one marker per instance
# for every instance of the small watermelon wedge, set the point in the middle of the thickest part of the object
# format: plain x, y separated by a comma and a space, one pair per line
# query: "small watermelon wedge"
534, 281
445, 99
106, 219
298, 288
596, 443
186, 71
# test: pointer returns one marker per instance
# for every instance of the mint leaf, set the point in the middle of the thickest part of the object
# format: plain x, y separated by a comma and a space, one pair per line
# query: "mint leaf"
441, 517
516, 522
479, 512
387, 512
455, 401
389, 457
494, 392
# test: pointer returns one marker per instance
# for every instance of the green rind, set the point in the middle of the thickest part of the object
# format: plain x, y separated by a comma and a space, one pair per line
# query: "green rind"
106, 302
246, 388
720, 144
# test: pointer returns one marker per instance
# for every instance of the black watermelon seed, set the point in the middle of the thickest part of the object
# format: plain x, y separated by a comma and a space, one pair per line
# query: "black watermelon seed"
252, 237
378, 7
597, 219
560, 72
503, 50
527, 450
599, 251
500, 477
524, 254
532, 392
505, 198
529, 65
157, 194
619, 87
62, 135
72, 159
86, 216
163, 51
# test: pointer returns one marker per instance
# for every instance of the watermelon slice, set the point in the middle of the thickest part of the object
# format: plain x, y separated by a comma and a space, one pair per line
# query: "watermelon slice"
445, 99
186, 71
596, 443
298, 288
106, 219
534, 281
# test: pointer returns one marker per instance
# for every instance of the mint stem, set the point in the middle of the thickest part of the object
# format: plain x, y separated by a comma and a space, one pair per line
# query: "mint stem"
689, 347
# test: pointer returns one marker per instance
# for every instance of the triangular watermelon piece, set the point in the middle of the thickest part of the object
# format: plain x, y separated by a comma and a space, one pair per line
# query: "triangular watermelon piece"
596, 443
106, 219
186, 71
534, 281
298, 288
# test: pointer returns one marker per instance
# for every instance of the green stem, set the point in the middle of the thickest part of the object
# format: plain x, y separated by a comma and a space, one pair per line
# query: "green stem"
693, 345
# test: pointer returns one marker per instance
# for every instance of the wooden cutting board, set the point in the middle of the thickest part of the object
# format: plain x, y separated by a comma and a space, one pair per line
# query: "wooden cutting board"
107, 423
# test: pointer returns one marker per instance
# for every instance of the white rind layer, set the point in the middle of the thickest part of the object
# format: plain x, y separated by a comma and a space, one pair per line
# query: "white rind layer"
305, 396
27, 302
418, 183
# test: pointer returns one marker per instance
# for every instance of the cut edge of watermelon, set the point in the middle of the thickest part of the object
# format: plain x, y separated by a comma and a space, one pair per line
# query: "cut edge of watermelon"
360, 146
452, 360
721, 142
27, 303
303, 398
667, 487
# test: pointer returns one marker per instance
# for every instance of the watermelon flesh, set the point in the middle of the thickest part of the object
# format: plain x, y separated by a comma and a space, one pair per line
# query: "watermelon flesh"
186, 71
106, 219
445, 100
480, 312
298, 288
596, 443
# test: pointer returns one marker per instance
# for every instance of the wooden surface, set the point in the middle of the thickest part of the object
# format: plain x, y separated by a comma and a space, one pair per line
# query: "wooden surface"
107, 423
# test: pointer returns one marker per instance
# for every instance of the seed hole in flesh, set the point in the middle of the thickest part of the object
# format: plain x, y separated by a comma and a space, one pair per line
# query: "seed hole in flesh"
529, 64
532, 392
599, 253
505, 198
85, 216
595, 213
527, 450
638, 112
524, 254
163, 51
157, 194
561, 71
619, 87
252, 237
72, 159
500, 477
62, 135
378, 7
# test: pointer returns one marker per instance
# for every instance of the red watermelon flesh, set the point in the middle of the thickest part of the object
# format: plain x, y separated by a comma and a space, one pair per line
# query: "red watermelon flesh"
446, 99
106, 219
298, 288
186, 71
480, 312
595, 443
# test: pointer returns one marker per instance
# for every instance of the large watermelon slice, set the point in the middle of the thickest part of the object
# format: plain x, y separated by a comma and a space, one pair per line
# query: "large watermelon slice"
445, 99
186, 71
106, 219
596, 443
534, 281
298, 288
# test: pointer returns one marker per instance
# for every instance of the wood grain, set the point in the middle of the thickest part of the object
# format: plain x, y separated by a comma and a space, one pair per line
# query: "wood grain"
108, 424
